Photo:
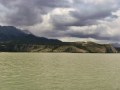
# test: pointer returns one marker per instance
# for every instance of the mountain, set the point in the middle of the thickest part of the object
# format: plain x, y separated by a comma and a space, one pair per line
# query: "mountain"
8, 33
13, 39
116, 46
13, 35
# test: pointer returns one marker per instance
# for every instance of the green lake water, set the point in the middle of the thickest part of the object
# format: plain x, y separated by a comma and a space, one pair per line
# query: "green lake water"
60, 71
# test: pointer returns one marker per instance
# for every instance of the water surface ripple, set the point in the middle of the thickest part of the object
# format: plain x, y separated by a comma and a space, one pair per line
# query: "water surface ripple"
50, 71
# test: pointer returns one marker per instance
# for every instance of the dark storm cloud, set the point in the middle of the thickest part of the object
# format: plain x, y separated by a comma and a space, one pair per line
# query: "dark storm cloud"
24, 16
80, 13
52, 4
88, 14
85, 19
61, 22
28, 12
95, 36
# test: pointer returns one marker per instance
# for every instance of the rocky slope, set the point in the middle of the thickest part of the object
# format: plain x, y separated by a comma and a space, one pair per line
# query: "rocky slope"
64, 47
16, 40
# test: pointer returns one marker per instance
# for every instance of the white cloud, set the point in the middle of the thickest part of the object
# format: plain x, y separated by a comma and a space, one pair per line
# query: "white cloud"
97, 20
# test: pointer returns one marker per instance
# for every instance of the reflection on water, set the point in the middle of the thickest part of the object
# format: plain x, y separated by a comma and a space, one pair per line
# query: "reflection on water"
34, 71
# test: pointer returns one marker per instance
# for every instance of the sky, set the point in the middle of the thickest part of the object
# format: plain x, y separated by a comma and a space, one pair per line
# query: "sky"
67, 20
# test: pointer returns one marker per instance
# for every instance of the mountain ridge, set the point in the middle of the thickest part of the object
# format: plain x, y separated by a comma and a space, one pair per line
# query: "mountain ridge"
13, 34
13, 39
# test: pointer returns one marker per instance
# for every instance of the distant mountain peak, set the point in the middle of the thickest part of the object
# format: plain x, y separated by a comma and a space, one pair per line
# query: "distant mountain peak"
27, 31
13, 34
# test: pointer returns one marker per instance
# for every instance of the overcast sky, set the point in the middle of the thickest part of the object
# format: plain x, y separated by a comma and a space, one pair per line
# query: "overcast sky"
67, 20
